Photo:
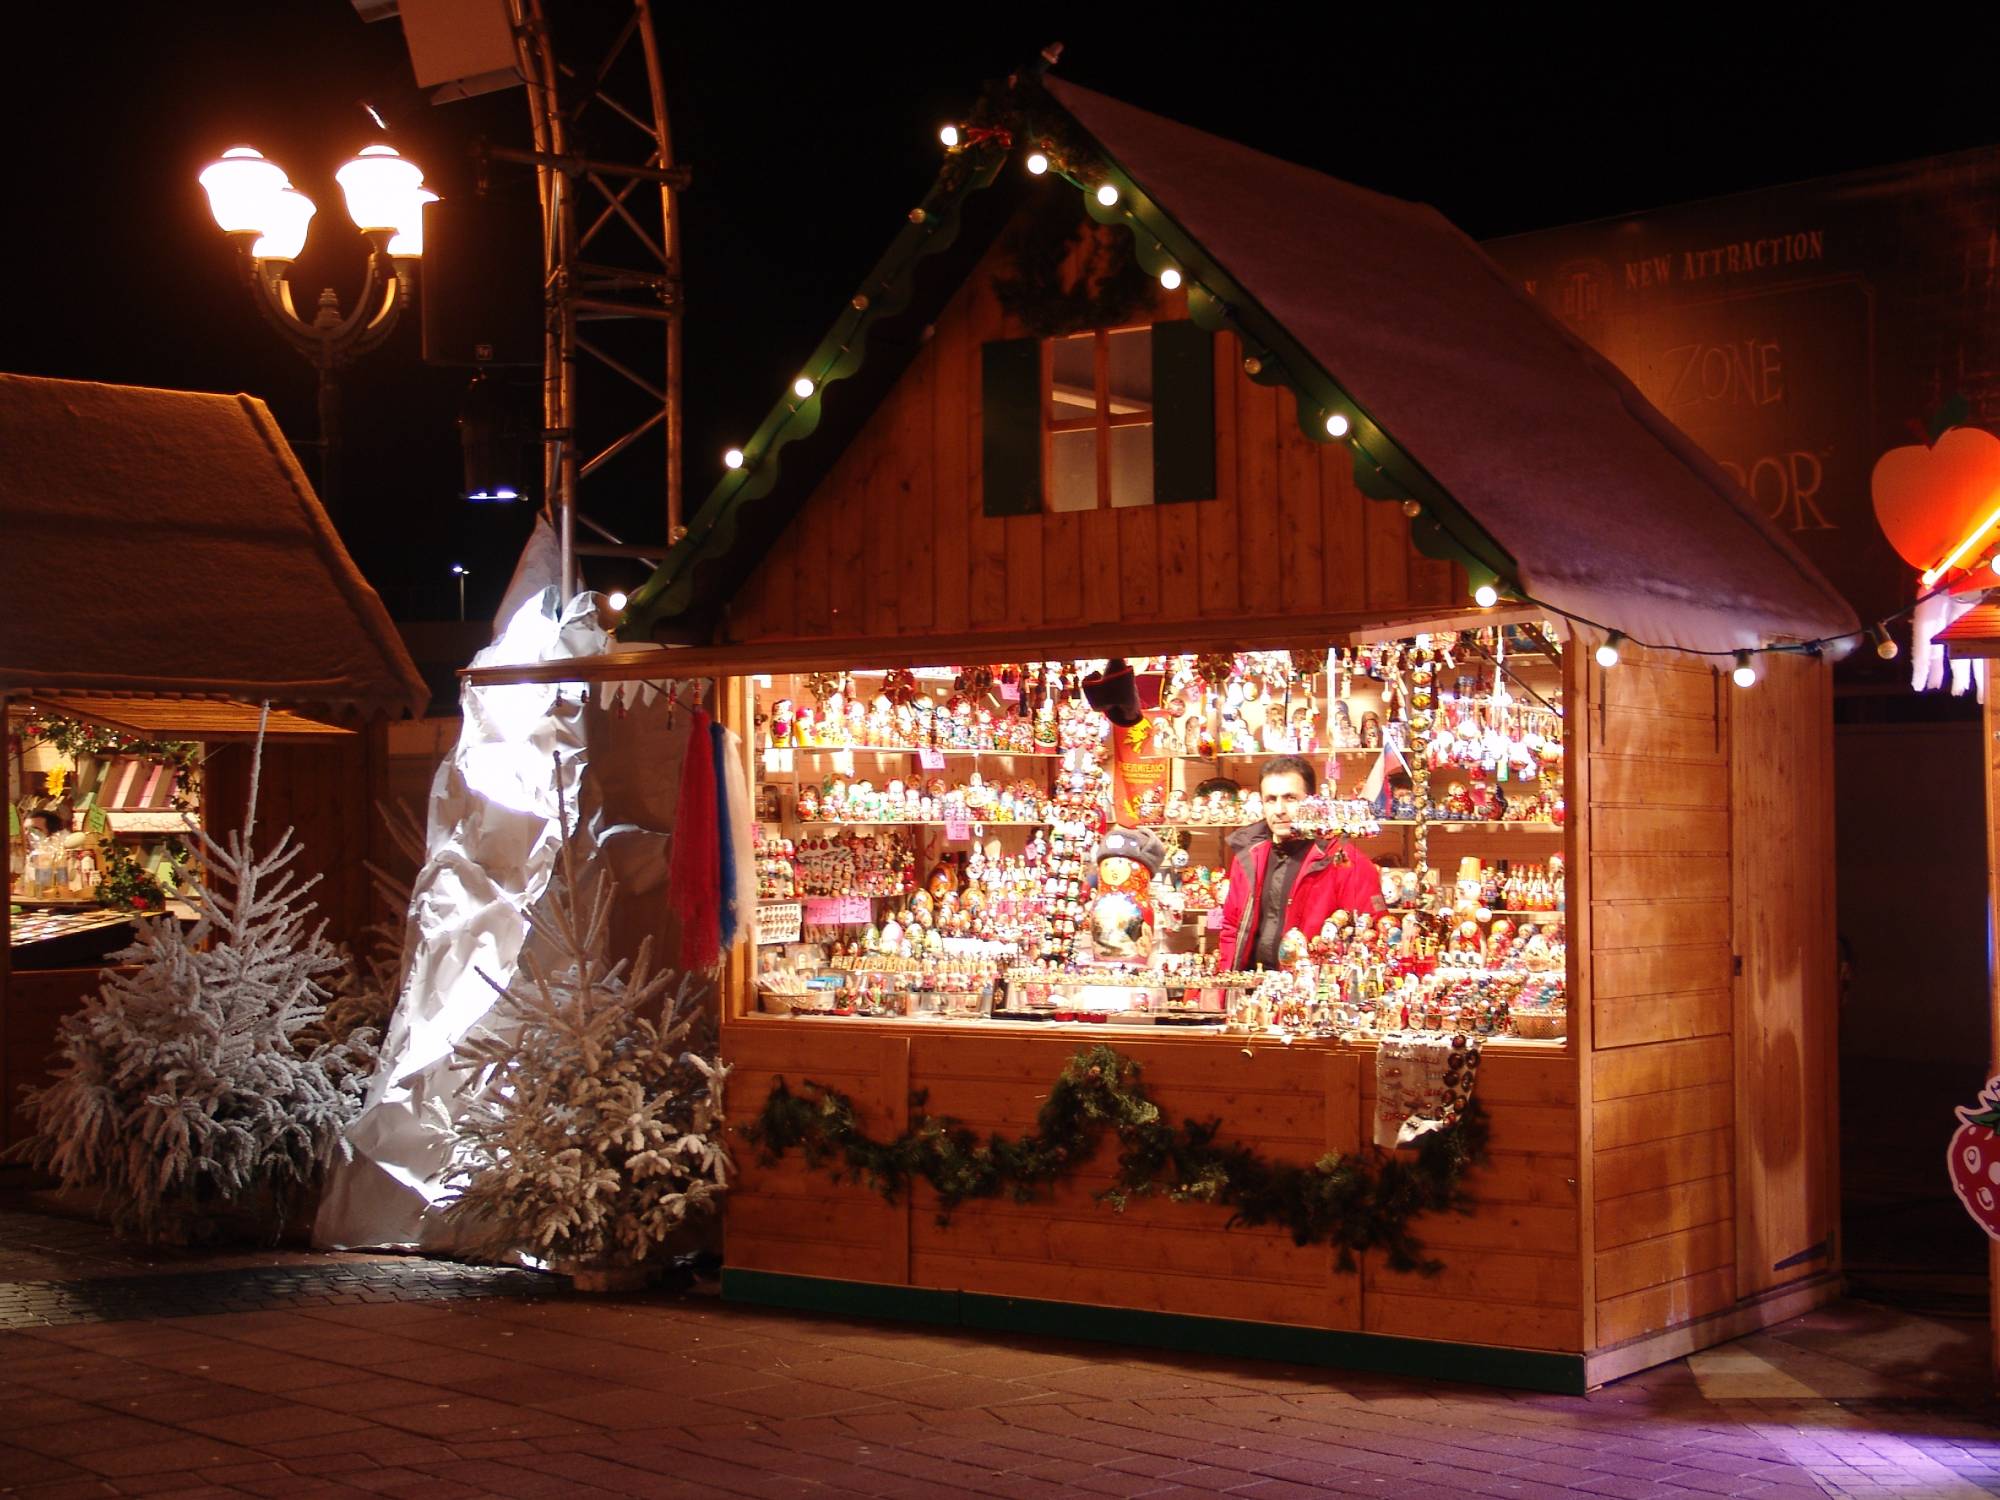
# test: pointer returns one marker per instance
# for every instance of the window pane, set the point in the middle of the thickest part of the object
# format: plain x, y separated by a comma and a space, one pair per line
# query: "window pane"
1132, 371
1075, 367
1132, 465
1073, 471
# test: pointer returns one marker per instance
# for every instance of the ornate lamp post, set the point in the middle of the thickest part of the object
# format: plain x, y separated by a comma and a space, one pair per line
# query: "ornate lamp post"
256, 205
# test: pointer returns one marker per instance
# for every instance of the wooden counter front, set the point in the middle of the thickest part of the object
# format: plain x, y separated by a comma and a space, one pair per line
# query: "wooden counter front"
1511, 1273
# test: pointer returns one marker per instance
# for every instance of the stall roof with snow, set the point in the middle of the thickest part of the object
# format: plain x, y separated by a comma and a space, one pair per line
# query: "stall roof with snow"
166, 545
1534, 462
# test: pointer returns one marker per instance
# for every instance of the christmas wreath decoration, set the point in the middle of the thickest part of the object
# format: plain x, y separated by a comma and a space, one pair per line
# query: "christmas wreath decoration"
78, 737
1358, 1201
1109, 288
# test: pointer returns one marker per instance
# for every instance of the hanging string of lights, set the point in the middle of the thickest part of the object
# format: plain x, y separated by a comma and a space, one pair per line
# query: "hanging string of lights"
1323, 420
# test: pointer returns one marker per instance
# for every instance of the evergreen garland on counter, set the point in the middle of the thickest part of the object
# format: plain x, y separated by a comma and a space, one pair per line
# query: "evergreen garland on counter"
1359, 1201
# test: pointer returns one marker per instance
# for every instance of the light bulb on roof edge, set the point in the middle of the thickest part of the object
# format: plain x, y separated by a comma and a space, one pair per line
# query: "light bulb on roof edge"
1885, 643
1037, 164
949, 135
1607, 654
733, 458
1107, 195
1336, 424
1486, 596
802, 387
1170, 278
616, 599
1745, 674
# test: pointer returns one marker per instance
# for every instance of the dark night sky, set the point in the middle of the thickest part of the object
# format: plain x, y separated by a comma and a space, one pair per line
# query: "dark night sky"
811, 133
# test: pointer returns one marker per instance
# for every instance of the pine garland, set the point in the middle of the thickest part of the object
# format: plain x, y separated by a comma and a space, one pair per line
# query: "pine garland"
1358, 1201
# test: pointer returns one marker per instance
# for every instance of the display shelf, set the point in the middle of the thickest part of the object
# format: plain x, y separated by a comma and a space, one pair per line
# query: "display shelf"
1494, 911
948, 753
983, 824
1460, 824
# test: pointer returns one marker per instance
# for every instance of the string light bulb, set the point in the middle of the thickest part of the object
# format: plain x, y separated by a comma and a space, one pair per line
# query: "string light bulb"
1745, 674
1885, 643
803, 387
616, 599
1107, 195
1336, 424
1607, 654
1486, 596
1170, 278
733, 459
1037, 163
949, 135
1413, 508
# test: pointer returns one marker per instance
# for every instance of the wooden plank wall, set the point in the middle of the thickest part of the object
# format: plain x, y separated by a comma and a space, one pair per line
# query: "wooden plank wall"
1787, 1135
1511, 1274
894, 542
1662, 1074
325, 791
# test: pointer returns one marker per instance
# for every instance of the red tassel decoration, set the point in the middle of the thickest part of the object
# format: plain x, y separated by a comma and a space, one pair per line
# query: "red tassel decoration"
694, 874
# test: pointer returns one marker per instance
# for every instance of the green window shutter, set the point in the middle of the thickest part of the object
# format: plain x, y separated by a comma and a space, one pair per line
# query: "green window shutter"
1010, 396
1183, 413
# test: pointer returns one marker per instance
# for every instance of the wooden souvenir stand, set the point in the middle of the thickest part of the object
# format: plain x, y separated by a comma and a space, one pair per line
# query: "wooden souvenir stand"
1661, 1179
251, 599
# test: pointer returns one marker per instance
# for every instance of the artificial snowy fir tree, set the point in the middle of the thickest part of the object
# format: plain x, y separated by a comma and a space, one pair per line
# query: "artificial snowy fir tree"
594, 1132
183, 1094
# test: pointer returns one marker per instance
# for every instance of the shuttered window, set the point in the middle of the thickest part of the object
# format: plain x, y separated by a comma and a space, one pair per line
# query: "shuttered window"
1101, 420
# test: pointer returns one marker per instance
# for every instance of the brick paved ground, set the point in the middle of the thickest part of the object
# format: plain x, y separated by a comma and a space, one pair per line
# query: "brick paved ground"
372, 1376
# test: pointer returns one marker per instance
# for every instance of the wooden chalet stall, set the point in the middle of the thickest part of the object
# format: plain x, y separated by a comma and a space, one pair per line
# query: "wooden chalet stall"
167, 571
1662, 1175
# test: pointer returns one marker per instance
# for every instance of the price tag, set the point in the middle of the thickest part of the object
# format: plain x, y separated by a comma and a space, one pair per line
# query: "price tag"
956, 830
778, 923
1010, 692
930, 760
96, 820
1214, 921
836, 911
777, 760
13, 821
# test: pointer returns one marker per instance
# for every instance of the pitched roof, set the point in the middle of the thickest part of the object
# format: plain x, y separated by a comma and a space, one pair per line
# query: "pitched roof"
1607, 510
1530, 451
165, 543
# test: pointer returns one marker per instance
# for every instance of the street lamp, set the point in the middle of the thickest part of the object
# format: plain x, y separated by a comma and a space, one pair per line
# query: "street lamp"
461, 570
255, 204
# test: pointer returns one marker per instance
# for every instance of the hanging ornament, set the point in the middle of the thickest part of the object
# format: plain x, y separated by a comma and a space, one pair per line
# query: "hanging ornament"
822, 685
1215, 667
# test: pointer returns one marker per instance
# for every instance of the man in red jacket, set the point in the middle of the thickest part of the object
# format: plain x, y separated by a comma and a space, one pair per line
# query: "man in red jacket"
1282, 880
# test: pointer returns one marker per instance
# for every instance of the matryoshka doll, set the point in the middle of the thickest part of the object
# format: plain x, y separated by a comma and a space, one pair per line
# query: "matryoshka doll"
1121, 914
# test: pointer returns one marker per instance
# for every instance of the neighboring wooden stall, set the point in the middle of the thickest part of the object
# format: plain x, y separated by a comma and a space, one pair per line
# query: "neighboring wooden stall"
169, 571
1663, 1177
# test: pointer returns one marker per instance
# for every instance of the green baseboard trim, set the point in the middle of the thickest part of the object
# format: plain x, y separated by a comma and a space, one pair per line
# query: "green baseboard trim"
1377, 1353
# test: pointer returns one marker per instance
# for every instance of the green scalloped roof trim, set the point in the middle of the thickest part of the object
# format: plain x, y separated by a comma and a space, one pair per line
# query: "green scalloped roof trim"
886, 291
1217, 302
1220, 303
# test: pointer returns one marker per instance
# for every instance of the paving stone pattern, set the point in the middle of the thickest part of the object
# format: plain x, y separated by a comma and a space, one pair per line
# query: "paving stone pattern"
439, 1382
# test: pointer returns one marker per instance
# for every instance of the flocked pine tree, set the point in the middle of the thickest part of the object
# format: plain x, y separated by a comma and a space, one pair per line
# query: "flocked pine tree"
594, 1132
182, 1094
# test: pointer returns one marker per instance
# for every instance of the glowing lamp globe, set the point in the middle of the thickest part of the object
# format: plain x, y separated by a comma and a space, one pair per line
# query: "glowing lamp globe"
409, 238
289, 215
241, 187
1486, 596
1745, 674
1170, 278
384, 192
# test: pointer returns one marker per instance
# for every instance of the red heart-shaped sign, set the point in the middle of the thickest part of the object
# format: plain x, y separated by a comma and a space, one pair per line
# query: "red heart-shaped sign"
1928, 499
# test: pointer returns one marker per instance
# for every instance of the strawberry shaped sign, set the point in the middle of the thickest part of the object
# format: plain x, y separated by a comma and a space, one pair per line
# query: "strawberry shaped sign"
1974, 1159
1929, 499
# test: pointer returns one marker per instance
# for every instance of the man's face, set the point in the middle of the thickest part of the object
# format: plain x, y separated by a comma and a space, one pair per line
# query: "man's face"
1282, 795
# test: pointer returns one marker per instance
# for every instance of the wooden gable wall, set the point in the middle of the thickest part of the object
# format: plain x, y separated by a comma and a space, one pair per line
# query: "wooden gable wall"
894, 542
